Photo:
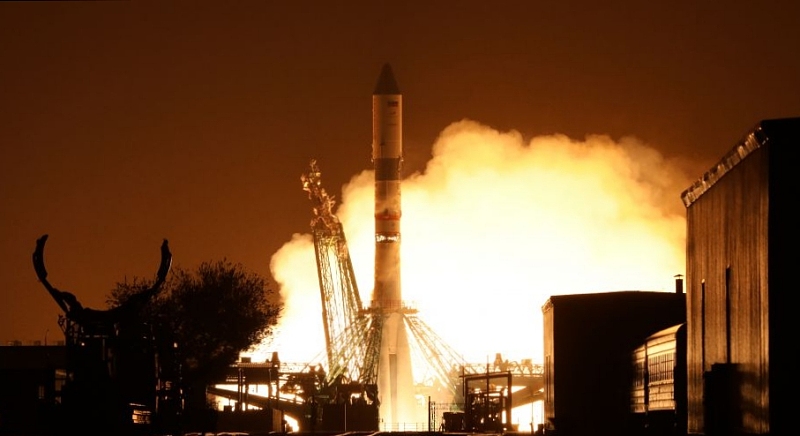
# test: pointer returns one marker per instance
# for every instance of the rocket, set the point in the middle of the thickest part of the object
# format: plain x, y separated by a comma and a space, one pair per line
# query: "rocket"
395, 380
387, 158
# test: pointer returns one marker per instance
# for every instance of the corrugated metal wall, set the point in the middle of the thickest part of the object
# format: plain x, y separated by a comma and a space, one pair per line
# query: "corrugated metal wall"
728, 301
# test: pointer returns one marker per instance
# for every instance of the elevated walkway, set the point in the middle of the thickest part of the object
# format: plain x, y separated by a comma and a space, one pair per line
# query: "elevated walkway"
527, 378
292, 407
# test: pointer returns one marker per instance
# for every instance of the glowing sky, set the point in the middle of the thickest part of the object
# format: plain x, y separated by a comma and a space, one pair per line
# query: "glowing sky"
122, 123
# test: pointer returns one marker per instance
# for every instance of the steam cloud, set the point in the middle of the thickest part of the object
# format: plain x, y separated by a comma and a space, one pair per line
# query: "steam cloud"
493, 227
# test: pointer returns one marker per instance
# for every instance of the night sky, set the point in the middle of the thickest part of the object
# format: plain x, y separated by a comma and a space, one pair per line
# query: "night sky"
124, 123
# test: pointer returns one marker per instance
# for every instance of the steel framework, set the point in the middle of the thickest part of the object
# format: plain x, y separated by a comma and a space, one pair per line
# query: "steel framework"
353, 333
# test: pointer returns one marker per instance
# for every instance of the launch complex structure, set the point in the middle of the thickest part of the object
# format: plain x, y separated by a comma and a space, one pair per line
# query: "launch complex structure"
383, 352
372, 346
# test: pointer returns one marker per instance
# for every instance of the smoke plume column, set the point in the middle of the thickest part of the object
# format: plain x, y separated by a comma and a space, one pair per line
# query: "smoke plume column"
395, 381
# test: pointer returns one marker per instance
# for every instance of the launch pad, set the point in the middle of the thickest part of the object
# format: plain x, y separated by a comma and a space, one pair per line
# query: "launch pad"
378, 347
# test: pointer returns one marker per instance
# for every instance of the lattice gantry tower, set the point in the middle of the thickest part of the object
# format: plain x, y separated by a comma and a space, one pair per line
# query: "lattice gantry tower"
352, 332
347, 332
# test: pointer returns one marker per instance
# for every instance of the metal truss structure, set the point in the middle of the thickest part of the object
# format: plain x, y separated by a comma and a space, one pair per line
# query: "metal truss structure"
353, 333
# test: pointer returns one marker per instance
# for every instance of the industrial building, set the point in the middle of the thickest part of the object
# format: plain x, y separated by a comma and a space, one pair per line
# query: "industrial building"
588, 339
740, 230
32, 377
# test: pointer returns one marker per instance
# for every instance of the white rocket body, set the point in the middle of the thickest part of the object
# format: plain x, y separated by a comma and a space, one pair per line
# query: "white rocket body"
395, 380
387, 158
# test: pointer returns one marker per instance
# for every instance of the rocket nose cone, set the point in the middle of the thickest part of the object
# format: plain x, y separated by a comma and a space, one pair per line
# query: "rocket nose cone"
386, 83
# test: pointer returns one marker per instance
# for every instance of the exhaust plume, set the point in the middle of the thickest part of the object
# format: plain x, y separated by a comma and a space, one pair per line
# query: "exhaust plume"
495, 225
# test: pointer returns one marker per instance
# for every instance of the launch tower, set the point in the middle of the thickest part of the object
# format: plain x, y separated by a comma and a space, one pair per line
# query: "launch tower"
372, 348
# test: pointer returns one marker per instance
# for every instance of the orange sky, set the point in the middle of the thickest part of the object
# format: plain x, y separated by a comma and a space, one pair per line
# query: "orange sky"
122, 123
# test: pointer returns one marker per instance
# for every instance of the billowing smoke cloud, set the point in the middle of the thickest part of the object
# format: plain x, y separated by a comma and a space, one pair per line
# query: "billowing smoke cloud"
493, 227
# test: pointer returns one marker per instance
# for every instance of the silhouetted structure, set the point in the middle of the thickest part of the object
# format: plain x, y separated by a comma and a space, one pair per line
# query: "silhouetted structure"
741, 228
117, 375
487, 402
588, 340
31, 377
658, 391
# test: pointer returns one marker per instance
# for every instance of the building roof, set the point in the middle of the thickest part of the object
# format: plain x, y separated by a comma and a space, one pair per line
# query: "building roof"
765, 132
601, 298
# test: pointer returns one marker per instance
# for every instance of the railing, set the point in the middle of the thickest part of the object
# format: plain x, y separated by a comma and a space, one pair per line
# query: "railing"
522, 368
403, 426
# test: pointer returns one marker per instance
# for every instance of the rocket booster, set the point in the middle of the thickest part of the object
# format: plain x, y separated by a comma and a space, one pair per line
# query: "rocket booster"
395, 379
387, 158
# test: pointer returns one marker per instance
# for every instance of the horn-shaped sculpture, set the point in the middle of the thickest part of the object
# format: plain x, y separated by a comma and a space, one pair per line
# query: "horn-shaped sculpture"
115, 364
72, 307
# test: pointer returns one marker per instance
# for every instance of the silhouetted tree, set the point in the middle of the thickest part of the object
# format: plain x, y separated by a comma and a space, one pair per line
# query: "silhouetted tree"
212, 314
